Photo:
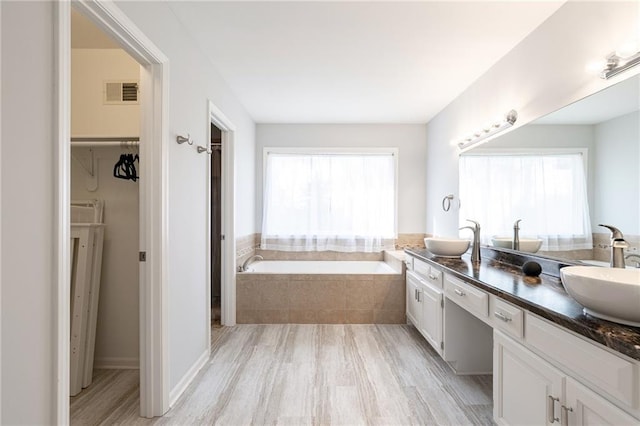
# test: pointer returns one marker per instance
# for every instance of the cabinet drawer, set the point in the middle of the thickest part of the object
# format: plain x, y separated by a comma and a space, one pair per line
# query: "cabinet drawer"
472, 299
421, 268
617, 376
506, 317
434, 277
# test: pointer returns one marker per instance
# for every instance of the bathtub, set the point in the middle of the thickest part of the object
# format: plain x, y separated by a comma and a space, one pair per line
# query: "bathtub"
320, 292
320, 267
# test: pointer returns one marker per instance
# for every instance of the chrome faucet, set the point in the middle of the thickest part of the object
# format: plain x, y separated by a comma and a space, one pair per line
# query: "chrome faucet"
637, 256
247, 262
618, 244
516, 236
475, 249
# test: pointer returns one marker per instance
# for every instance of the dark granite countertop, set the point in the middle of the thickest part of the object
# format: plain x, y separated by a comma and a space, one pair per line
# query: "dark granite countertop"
544, 296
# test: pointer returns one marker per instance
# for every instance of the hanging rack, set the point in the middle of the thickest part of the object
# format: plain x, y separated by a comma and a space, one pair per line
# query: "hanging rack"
95, 142
87, 160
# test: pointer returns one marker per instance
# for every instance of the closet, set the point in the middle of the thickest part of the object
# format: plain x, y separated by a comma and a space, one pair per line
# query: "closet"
105, 171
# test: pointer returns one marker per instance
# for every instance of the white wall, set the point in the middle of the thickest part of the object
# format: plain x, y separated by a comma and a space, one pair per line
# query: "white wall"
408, 138
543, 73
27, 214
193, 80
117, 336
617, 184
90, 68
27, 186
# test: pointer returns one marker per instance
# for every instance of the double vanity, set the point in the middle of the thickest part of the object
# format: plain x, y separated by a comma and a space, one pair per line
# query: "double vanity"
550, 362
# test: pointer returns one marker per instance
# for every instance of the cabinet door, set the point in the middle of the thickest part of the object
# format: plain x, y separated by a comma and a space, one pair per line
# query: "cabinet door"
431, 326
414, 307
585, 407
526, 389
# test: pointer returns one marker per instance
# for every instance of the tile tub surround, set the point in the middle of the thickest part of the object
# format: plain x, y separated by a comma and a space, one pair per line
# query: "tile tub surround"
410, 241
601, 249
249, 245
318, 255
246, 247
544, 295
320, 299
602, 246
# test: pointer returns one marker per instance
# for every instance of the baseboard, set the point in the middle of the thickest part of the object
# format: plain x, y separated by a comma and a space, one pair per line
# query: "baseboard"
117, 363
186, 380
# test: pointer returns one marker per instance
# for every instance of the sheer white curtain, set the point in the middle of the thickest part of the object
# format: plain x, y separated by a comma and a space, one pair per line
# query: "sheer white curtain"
329, 201
547, 191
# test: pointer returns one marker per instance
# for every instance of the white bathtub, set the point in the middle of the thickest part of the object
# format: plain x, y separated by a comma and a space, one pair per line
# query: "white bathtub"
320, 267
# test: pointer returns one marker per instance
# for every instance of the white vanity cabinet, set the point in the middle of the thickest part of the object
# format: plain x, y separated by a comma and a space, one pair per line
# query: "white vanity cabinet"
527, 390
543, 373
425, 302
414, 307
431, 326
590, 409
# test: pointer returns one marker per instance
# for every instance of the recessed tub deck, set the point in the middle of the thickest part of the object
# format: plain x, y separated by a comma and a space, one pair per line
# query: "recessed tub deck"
320, 292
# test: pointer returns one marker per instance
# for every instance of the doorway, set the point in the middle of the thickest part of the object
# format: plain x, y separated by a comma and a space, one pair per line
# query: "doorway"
216, 225
221, 232
105, 197
153, 348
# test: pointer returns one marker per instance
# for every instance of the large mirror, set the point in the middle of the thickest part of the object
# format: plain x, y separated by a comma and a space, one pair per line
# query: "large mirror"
561, 176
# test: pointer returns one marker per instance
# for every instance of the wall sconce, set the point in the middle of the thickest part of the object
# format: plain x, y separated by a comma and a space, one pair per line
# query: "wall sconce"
627, 56
490, 130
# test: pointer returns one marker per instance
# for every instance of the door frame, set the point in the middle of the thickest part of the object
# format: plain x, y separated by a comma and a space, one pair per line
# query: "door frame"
154, 108
0, 216
216, 117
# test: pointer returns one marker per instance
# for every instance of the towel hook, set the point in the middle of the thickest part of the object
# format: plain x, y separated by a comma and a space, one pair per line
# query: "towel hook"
202, 149
181, 139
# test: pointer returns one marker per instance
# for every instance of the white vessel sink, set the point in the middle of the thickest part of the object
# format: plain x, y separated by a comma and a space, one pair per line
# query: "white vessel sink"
446, 247
608, 293
529, 245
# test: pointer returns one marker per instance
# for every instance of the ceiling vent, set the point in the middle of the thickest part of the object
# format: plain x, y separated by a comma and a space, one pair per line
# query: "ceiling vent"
120, 93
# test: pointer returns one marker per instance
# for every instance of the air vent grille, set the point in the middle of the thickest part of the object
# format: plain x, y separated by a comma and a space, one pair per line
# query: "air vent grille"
120, 92
130, 92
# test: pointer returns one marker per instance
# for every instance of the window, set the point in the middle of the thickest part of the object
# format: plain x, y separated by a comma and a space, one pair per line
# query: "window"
338, 200
548, 191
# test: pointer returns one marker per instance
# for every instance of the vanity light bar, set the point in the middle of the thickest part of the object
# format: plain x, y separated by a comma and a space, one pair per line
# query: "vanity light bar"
617, 64
481, 135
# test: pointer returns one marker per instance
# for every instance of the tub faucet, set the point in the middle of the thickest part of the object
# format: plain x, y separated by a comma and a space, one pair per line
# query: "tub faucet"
249, 261
516, 236
637, 260
618, 244
475, 249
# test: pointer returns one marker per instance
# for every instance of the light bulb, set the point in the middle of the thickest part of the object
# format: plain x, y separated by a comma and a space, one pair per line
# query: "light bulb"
596, 67
628, 49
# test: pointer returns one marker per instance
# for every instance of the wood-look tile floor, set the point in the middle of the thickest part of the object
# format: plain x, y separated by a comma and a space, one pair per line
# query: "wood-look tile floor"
307, 374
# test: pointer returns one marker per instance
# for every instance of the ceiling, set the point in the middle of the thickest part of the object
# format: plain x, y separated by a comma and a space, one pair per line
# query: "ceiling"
348, 62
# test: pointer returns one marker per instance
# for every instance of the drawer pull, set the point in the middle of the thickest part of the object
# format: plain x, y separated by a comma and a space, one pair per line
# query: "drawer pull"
432, 277
551, 407
564, 415
502, 316
460, 293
